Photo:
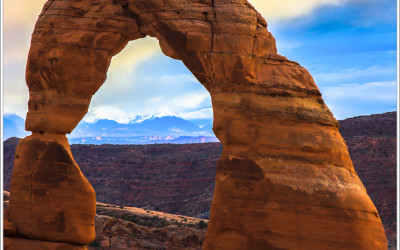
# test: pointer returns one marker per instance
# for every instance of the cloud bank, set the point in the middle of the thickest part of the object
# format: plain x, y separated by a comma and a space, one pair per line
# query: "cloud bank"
377, 96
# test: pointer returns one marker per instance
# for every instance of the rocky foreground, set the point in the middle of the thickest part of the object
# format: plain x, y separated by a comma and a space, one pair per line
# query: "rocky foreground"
179, 179
120, 227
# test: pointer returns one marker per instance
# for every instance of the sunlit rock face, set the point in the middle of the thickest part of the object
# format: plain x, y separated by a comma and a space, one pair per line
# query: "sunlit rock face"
285, 179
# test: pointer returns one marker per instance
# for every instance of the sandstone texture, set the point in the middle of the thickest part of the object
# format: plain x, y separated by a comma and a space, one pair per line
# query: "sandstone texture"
288, 184
51, 199
13, 241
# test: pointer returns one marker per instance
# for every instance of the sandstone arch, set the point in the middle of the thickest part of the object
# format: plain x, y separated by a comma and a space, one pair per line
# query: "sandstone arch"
285, 179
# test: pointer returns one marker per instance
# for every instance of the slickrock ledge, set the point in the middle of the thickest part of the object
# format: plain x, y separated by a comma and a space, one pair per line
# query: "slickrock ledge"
288, 184
135, 228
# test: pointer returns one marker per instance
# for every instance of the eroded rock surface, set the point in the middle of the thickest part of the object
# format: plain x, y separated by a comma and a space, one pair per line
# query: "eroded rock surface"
14, 241
288, 184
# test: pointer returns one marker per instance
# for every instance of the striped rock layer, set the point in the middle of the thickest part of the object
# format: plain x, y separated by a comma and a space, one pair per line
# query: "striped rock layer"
285, 179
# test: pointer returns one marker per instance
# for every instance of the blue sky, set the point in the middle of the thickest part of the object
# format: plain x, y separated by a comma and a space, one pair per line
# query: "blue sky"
349, 46
350, 50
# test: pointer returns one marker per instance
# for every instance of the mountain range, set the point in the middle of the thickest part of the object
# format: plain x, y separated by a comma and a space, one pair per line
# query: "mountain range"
157, 128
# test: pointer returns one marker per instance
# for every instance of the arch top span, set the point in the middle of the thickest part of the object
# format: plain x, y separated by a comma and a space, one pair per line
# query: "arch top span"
219, 42
284, 165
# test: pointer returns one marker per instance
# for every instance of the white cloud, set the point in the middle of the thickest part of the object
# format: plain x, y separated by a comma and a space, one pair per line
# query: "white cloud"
19, 21
350, 74
206, 113
175, 105
107, 112
285, 46
289, 9
134, 53
15, 91
359, 99
15, 103
191, 100
133, 91
374, 91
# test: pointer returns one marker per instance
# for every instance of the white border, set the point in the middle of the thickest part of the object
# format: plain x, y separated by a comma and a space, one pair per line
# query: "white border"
1, 132
2, 107
398, 130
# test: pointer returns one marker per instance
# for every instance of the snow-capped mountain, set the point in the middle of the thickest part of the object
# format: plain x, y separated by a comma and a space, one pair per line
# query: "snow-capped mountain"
160, 124
141, 118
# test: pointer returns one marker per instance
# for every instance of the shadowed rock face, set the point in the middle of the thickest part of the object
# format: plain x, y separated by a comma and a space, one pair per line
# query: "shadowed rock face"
288, 184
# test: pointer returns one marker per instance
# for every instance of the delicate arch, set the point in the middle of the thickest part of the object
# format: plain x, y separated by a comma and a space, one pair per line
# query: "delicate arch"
285, 179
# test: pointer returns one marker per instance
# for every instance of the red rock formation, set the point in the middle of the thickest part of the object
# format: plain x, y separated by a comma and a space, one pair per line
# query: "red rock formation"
51, 199
13, 241
288, 184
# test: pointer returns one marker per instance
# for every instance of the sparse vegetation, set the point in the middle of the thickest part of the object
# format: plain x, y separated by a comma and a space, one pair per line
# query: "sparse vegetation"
202, 224
152, 221
96, 244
